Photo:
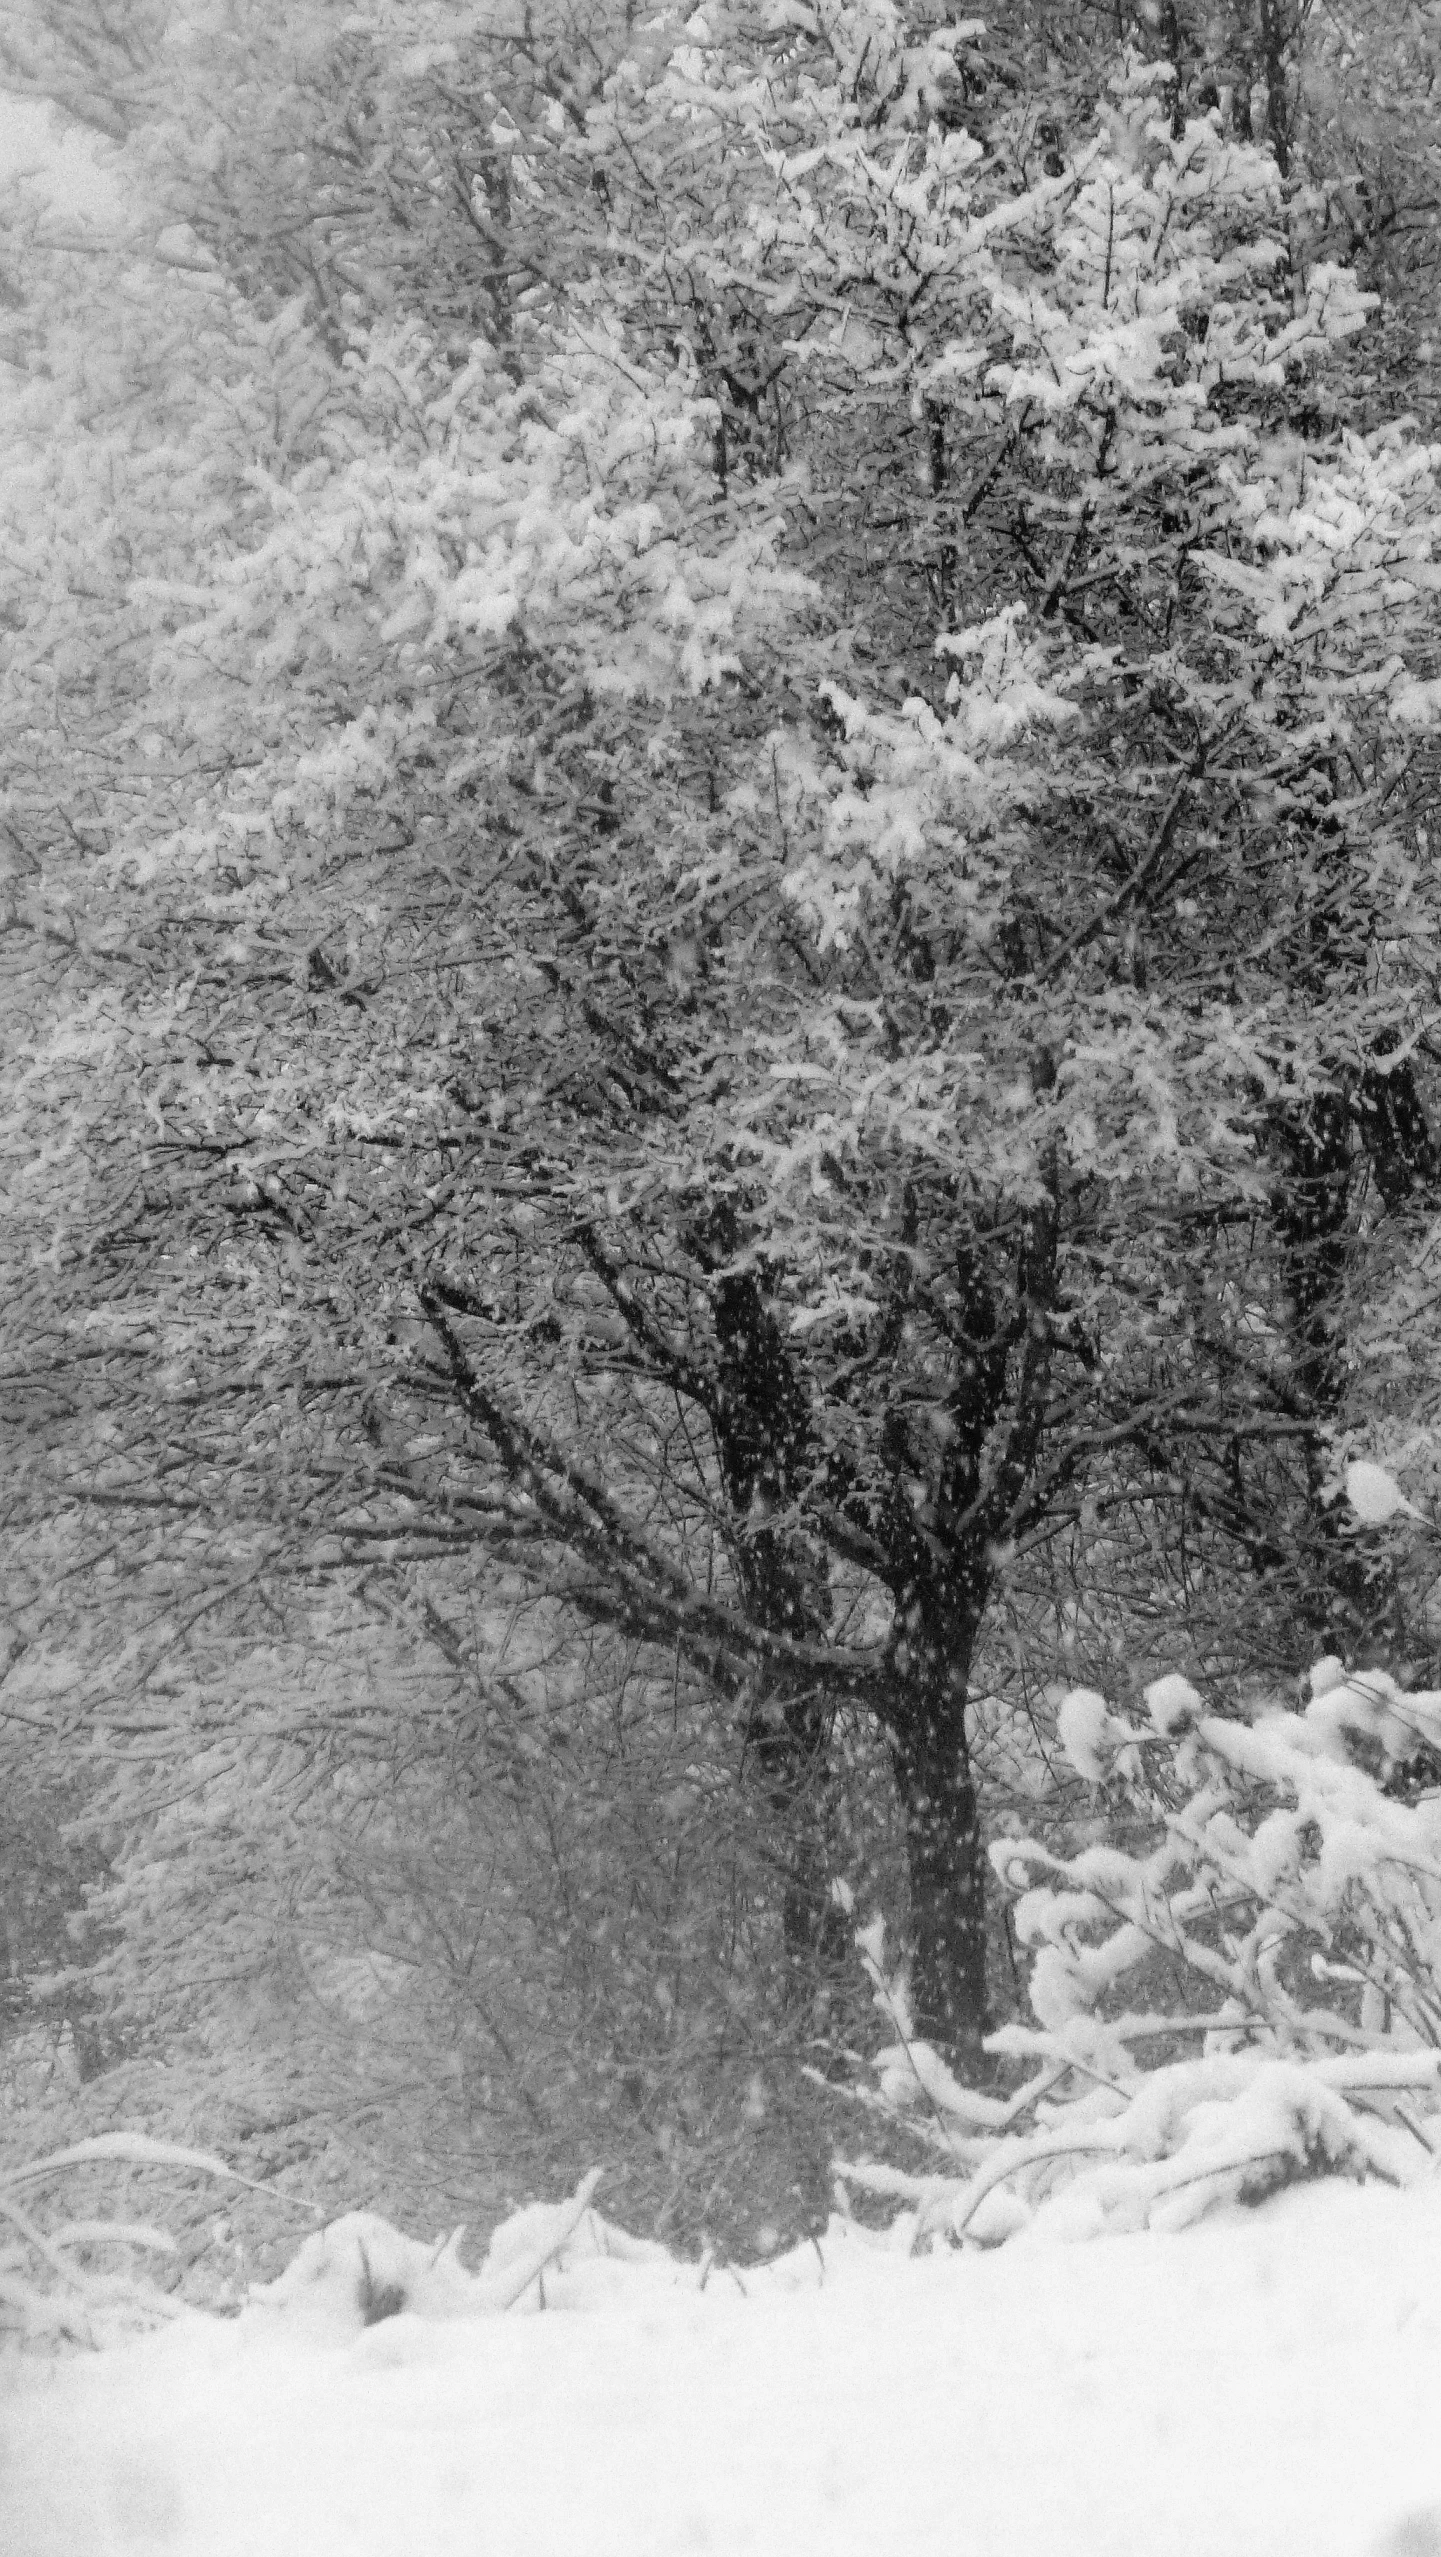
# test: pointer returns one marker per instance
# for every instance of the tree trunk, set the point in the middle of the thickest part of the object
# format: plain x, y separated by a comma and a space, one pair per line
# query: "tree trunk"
1312, 1208
946, 1864
762, 1426
1275, 39
1391, 1114
1351, 1600
792, 1754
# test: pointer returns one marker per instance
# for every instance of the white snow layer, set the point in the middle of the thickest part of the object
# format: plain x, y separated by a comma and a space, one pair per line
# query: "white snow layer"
1261, 2386
1375, 1496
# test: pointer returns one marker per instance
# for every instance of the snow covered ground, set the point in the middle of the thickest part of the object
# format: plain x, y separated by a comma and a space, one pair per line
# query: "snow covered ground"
1267, 2384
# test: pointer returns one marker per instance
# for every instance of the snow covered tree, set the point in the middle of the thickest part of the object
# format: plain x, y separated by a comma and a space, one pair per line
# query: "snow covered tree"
750, 886
1076, 925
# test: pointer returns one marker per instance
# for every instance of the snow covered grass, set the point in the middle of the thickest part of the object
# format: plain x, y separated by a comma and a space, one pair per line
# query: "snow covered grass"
1263, 2385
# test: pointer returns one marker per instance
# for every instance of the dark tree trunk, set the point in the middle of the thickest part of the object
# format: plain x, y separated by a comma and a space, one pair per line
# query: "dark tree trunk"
1312, 1211
1354, 1601
792, 1754
1275, 44
945, 1860
940, 1549
1311, 1218
1391, 1115
762, 1427
945, 1853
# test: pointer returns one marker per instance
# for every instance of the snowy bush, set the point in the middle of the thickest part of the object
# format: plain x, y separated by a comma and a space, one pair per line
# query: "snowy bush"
1269, 1942
1291, 1888
76, 2279
361, 2271
59, 2283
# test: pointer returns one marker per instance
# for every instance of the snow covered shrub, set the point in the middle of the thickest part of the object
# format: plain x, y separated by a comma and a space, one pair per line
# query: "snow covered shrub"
360, 2270
1292, 1891
75, 2279
1261, 1922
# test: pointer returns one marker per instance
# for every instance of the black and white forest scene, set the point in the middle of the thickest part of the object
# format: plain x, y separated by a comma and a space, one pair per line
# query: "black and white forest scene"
720, 1278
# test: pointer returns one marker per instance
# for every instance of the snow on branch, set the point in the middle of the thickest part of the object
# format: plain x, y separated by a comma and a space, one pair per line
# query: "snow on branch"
1276, 1932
